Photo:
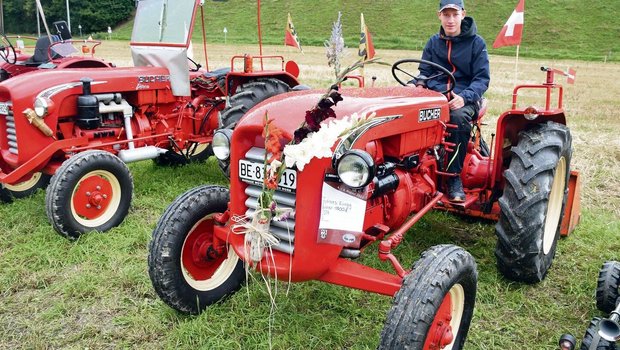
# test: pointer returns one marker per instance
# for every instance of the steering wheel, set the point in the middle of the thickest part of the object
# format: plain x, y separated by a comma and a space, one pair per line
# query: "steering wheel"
6, 49
442, 71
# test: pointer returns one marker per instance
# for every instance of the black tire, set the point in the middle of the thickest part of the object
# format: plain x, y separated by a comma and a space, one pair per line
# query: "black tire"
25, 188
174, 273
196, 154
533, 201
91, 191
607, 287
591, 334
443, 270
247, 96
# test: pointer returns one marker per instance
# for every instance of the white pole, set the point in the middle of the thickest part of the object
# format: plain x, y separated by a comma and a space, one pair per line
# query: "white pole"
38, 24
517, 65
68, 17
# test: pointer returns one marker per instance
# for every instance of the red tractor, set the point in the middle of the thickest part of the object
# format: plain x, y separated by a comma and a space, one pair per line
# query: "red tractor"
51, 51
83, 125
384, 175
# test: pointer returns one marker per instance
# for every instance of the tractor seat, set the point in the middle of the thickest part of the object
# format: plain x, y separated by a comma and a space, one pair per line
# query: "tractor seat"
217, 74
483, 104
41, 48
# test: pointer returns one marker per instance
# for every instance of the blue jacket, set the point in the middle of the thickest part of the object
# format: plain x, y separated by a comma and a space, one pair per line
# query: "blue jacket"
465, 56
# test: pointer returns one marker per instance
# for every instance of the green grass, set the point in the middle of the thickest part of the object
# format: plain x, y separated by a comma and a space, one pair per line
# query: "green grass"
95, 293
553, 29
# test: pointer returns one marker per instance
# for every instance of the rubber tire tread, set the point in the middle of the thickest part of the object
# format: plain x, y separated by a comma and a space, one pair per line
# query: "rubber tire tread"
524, 202
166, 245
62, 184
164, 160
588, 337
246, 97
8, 196
422, 292
607, 286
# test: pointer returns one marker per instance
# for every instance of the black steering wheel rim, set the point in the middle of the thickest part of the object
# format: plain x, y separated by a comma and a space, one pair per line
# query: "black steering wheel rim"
395, 67
4, 54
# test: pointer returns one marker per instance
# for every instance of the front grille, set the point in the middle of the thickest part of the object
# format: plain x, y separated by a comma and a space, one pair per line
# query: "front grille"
11, 134
283, 230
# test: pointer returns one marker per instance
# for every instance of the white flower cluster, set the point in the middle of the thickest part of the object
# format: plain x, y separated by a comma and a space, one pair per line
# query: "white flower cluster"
319, 144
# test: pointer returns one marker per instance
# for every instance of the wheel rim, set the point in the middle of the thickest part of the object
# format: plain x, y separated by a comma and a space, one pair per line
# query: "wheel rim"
96, 198
444, 329
25, 185
201, 270
554, 207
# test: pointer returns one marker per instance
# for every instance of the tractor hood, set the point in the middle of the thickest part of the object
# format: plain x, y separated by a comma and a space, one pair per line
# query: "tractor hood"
122, 79
288, 110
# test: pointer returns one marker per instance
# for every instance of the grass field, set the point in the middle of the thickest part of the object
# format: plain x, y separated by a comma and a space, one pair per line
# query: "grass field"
96, 294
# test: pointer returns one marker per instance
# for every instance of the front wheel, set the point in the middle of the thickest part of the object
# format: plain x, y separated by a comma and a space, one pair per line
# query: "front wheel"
591, 336
187, 269
532, 205
25, 188
434, 307
91, 191
608, 286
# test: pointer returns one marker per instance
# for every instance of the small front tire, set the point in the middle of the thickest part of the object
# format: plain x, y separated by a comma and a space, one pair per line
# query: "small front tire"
91, 191
607, 287
25, 188
187, 271
434, 307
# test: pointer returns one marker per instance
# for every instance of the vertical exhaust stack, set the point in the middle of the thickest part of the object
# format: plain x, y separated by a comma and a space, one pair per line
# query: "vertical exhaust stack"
88, 107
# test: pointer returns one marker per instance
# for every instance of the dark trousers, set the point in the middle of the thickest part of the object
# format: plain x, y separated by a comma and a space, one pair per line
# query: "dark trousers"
460, 136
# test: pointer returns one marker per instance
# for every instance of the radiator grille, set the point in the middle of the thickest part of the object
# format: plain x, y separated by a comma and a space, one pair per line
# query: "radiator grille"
11, 134
283, 230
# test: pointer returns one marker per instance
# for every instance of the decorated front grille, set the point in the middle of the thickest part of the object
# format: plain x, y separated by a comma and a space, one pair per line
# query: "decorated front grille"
284, 230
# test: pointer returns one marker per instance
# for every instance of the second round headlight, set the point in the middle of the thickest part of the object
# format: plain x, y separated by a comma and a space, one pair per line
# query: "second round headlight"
221, 144
356, 168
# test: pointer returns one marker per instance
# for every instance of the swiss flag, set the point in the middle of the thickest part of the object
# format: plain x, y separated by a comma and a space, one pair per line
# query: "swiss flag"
512, 32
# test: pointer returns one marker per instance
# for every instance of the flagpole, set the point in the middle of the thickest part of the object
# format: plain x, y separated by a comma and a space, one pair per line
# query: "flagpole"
517, 65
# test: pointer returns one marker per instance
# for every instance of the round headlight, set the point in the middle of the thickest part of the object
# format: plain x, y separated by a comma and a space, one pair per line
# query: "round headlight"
356, 168
42, 106
221, 144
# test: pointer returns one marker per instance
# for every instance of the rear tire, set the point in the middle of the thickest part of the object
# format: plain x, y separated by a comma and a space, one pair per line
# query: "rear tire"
25, 188
532, 205
183, 273
247, 96
201, 153
607, 287
591, 334
91, 191
435, 304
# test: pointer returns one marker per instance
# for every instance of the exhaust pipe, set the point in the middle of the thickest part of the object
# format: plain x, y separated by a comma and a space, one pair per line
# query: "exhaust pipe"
142, 153
608, 328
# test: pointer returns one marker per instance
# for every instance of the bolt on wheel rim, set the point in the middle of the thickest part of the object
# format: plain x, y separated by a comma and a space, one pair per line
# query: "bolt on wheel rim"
444, 330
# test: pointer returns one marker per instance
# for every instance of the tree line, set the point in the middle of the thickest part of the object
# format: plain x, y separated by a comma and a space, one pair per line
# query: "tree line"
20, 16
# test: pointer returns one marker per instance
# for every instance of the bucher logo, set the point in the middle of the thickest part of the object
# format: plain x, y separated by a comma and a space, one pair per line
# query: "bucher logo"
153, 79
429, 114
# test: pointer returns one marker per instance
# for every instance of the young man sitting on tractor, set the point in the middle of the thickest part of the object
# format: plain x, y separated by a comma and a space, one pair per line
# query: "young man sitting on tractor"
459, 49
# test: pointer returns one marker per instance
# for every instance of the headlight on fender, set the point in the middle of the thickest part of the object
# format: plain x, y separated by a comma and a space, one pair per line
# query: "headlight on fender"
42, 106
356, 168
221, 144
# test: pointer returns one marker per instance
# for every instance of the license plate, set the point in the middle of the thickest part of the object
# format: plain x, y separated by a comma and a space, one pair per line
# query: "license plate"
253, 173
4, 108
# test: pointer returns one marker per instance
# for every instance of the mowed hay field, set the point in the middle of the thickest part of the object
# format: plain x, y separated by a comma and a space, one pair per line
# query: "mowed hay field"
95, 293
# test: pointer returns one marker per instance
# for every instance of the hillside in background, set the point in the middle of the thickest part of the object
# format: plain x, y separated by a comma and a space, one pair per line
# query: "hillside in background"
553, 28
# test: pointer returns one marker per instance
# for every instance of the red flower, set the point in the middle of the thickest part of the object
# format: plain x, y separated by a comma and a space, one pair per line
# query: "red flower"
272, 135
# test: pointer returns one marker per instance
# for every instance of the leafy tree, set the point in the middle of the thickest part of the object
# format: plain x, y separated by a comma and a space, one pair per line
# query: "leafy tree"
93, 16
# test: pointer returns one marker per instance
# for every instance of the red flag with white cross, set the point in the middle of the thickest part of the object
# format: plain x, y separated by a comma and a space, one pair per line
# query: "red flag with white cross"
512, 32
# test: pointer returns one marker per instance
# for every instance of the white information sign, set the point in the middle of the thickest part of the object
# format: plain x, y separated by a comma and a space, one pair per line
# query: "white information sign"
342, 215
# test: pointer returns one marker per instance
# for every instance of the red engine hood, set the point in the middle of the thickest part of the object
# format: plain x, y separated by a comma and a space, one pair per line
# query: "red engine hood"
288, 110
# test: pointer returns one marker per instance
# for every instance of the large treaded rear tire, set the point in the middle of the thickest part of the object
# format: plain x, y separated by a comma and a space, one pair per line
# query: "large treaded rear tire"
532, 204
442, 270
607, 287
182, 272
247, 96
591, 333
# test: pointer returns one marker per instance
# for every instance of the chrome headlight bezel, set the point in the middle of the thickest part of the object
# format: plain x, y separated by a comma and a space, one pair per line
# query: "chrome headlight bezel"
221, 144
42, 107
363, 172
